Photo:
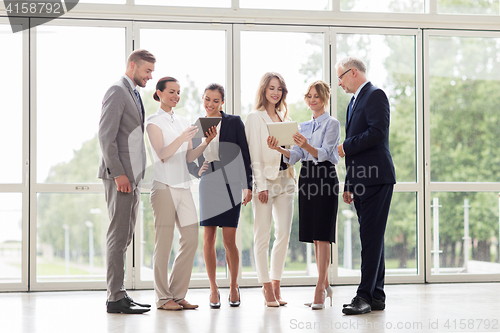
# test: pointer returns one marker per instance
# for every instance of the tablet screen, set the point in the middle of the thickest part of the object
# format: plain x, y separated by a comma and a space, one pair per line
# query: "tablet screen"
204, 123
283, 132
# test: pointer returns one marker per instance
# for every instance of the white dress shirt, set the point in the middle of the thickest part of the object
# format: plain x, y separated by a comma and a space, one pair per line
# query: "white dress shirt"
211, 153
173, 172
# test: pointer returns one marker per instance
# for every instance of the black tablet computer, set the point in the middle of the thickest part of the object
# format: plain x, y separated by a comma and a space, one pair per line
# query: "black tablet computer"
204, 123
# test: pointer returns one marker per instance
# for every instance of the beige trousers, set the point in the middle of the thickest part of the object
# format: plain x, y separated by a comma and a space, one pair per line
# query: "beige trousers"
173, 206
279, 207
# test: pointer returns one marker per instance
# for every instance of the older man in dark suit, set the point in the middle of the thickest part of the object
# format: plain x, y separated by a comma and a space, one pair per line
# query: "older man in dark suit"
370, 178
121, 136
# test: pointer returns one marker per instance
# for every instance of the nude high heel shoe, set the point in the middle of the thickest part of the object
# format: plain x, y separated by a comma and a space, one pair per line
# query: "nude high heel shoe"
280, 301
272, 304
329, 293
319, 306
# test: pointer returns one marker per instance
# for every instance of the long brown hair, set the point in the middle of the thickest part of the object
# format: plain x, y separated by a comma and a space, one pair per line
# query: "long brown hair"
260, 97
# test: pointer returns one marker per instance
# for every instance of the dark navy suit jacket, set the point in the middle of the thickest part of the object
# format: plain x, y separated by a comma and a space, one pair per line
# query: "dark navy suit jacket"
368, 159
232, 131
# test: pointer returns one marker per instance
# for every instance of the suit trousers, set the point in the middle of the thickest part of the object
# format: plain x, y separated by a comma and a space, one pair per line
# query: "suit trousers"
280, 207
122, 210
372, 208
171, 207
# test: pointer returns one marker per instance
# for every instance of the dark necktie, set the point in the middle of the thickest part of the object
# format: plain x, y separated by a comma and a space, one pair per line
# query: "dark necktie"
140, 102
349, 109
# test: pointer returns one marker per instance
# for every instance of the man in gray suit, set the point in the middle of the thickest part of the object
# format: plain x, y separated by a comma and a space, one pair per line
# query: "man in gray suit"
121, 136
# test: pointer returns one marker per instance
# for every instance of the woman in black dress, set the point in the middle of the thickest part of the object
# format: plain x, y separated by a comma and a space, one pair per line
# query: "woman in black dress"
316, 147
225, 172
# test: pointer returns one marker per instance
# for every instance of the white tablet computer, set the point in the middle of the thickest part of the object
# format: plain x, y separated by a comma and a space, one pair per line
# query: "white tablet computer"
283, 132
204, 123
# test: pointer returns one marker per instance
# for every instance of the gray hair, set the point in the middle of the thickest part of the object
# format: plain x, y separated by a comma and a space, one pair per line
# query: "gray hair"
351, 62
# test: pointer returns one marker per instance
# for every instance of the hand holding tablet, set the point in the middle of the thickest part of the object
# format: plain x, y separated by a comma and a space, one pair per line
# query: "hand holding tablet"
204, 123
283, 132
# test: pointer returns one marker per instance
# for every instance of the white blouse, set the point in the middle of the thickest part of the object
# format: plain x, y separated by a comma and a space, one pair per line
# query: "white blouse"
265, 161
173, 172
211, 153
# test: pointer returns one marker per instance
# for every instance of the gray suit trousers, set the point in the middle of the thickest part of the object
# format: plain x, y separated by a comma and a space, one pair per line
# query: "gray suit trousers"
122, 210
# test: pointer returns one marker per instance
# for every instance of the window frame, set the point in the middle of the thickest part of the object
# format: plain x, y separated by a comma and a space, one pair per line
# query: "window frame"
23, 187
77, 188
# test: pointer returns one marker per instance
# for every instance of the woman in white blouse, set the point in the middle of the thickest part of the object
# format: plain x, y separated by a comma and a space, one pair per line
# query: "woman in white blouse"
316, 147
274, 186
171, 199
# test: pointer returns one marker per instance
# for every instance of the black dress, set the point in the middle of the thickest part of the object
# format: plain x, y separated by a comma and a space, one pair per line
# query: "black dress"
222, 184
220, 199
318, 201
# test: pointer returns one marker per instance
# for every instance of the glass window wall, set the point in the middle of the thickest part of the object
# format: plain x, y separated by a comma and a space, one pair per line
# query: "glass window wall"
75, 67
383, 6
11, 246
464, 88
287, 4
11, 104
465, 233
480, 7
71, 237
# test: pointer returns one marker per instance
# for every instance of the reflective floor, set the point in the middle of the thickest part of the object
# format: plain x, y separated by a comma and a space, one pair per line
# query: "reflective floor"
471, 307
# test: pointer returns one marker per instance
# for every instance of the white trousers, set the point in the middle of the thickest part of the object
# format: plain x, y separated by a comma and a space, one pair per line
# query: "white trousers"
173, 206
279, 207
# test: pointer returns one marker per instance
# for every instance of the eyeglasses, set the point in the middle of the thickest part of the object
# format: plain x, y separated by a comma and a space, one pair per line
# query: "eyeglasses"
347, 71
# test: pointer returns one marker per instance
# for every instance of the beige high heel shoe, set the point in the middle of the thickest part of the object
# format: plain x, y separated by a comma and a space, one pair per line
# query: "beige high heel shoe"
280, 301
329, 293
319, 306
272, 304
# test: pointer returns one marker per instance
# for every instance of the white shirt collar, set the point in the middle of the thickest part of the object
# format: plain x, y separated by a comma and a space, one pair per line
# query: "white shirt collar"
359, 89
320, 118
161, 111
130, 81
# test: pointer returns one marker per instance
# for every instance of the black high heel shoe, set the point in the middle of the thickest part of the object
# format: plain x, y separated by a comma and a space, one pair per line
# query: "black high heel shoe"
215, 305
238, 302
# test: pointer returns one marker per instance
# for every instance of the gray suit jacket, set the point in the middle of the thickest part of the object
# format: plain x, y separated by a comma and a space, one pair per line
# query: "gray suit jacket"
121, 134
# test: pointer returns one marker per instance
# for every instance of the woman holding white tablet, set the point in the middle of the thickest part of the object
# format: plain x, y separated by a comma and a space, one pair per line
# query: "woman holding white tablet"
316, 147
171, 199
274, 186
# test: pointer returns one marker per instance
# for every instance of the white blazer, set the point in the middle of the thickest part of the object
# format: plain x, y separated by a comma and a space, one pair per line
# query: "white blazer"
265, 161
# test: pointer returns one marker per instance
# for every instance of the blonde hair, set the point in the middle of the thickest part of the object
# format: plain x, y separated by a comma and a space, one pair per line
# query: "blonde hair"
323, 90
260, 97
